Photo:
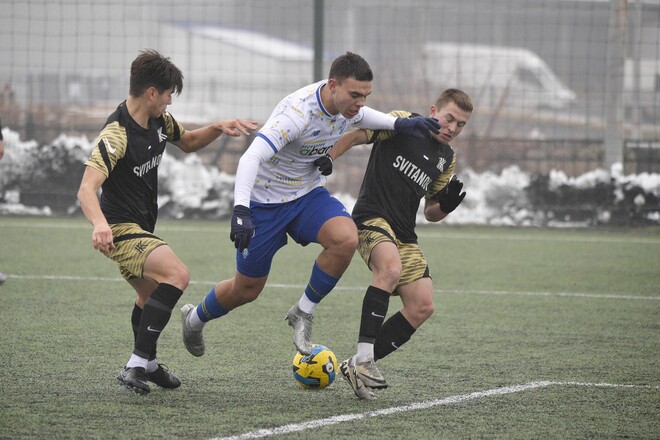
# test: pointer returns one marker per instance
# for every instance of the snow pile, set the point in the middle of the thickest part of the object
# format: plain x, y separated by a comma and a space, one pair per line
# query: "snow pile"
44, 179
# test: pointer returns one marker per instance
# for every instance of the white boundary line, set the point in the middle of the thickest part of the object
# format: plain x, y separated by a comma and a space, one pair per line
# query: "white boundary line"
352, 288
296, 427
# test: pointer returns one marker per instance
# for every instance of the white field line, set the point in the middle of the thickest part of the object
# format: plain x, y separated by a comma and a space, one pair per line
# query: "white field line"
358, 289
296, 427
222, 228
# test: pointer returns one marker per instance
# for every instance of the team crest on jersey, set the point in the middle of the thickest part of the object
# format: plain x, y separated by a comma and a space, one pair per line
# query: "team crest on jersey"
161, 136
441, 164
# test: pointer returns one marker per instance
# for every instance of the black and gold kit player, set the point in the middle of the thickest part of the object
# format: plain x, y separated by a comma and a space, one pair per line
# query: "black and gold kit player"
128, 155
402, 171
124, 166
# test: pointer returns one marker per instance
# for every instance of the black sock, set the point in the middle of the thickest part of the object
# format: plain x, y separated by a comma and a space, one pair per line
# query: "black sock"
135, 323
393, 334
374, 309
135, 320
155, 316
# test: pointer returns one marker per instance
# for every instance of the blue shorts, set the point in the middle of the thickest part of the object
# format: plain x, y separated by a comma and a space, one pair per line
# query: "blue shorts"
302, 219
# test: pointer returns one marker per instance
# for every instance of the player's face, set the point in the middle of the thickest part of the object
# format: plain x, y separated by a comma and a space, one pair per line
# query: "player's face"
349, 96
159, 102
452, 120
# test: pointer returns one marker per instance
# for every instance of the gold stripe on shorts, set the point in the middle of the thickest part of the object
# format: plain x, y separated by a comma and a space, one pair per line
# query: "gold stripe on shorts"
132, 246
413, 263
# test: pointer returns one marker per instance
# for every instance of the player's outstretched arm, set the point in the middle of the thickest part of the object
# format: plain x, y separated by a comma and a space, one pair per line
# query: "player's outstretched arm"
194, 140
418, 127
348, 140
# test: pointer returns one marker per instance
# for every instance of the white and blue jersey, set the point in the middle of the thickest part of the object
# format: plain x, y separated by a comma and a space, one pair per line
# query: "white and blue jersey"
277, 179
300, 130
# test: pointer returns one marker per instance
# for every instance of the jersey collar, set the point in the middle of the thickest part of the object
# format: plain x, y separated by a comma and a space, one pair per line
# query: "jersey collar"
320, 101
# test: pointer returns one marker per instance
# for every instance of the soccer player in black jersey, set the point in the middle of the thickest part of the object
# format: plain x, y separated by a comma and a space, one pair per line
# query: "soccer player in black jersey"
401, 171
124, 164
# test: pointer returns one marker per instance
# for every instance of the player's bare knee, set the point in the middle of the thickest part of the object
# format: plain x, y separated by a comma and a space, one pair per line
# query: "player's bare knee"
346, 245
418, 312
352, 243
247, 291
388, 277
339, 238
425, 310
393, 273
180, 276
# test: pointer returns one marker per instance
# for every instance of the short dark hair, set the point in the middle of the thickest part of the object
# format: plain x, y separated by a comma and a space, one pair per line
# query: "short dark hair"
151, 69
457, 96
350, 65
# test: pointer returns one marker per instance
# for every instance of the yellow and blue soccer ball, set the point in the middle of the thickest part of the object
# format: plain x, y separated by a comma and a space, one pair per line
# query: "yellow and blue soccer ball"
316, 370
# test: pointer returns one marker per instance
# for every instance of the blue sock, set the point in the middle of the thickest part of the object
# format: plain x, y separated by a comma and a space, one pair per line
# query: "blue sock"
210, 308
320, 284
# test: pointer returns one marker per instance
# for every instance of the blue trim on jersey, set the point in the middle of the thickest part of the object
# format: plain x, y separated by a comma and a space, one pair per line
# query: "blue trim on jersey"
318, 98
262, 136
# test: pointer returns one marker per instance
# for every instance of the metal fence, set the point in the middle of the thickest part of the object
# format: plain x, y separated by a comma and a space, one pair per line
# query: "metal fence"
568, 84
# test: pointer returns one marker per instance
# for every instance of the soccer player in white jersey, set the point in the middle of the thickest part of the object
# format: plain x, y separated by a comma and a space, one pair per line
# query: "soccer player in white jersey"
280, 191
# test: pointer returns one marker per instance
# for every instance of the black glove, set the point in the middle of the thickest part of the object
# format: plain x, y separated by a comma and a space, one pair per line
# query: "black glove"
451, 196
325, 164
417, 127
242, 229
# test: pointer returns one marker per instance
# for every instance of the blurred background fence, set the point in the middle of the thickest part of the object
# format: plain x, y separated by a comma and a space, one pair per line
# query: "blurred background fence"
572, 85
